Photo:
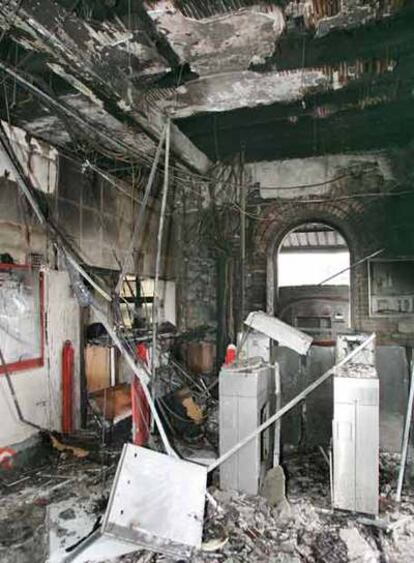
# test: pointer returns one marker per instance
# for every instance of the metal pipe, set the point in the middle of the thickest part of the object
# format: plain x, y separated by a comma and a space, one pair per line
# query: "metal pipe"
142, 377
289, 406
139, 223
86, 276
376, 253
67, 387
156, 303
243, 197
406, 436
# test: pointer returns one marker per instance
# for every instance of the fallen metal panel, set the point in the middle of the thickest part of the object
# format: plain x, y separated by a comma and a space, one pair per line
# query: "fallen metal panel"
279, 331
157, 502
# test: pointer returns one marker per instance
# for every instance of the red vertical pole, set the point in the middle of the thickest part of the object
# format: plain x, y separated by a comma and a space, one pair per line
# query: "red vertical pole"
67, 387
139, 404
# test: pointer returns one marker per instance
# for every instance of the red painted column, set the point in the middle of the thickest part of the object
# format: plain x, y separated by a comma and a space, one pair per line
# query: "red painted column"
139, 404
67, 387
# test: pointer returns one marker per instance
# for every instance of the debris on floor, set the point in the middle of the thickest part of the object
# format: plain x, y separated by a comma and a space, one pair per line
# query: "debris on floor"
74, 450
59, 504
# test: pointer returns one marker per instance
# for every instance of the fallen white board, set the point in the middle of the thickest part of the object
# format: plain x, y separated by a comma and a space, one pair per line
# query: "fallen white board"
157, 502
279, 331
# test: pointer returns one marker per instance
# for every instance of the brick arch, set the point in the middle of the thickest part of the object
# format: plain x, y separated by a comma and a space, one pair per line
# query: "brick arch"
353, 218
279, 219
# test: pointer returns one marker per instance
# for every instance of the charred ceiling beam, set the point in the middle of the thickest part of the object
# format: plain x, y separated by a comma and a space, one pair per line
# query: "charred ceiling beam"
247, 89
373, 128
391, 36
235, 90
228, 35
48, 126
159, 39
287, 130
227, 42
85, 121
91, 59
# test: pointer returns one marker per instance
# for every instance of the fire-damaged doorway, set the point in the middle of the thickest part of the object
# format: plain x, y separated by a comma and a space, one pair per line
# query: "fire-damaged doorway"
313, 280
312, 284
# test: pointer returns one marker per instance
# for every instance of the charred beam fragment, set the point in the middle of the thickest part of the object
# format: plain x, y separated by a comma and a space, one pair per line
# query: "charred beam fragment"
86, 57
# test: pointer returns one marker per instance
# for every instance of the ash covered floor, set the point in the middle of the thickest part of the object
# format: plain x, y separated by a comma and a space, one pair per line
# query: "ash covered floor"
48, 508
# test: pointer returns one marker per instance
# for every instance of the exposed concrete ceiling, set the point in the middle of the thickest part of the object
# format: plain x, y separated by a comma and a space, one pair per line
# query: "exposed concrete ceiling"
92, 60
246, 89
319, 16
235, 90
214, 66
222, 43
362, 101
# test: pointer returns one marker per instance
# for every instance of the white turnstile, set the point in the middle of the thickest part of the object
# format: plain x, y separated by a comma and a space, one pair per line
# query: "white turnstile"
247, 398
355, 434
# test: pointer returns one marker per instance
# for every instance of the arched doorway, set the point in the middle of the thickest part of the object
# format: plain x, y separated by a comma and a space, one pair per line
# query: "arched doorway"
311, 265
313, 280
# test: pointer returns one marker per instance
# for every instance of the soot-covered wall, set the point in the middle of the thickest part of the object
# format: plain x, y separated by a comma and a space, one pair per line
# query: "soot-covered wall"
358, 196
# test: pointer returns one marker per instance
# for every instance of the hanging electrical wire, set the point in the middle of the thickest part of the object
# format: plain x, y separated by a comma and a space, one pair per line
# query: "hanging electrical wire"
10, 19
61, 107
60, 23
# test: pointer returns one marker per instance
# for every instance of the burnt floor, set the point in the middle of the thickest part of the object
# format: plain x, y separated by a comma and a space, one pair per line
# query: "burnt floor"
47, 507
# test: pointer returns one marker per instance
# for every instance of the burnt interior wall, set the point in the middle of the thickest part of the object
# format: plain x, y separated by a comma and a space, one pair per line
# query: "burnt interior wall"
195, 267
367, 204
99, 217
364, 209
95, 217
207, 269
364, 206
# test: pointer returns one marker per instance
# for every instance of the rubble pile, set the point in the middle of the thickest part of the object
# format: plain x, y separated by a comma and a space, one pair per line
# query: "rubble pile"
304, 528
257, 532
301, 528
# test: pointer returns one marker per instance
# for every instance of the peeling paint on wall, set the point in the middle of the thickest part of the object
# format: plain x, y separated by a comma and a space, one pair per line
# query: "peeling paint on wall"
39, 160
319, 171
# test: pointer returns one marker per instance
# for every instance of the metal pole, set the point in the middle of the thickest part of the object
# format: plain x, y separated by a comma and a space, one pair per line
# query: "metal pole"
156, 302
289, 405
243, 190
406, 436
139, 223
142, 377
376, 253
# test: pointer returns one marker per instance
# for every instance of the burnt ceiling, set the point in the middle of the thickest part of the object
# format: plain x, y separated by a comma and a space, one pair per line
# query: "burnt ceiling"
354, 91
279, 79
